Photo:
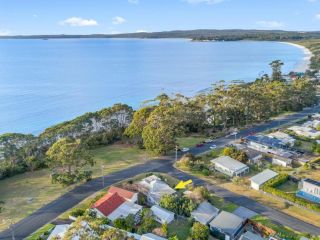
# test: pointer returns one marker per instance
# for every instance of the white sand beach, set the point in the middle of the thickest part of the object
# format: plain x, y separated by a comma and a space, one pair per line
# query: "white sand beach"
304, 64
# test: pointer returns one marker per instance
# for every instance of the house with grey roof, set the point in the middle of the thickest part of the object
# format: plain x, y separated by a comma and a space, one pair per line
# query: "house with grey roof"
205, 212
250, 236
162, 215
258, 180
230, 166
151, 236
227, 225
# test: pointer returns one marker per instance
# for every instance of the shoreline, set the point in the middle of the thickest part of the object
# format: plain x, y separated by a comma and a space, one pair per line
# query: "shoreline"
304, 65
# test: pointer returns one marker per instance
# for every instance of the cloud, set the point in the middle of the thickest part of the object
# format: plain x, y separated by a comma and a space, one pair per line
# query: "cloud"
141, 31
209, 2
118, 20
35, 15
5, 32
79, 22
270, 24
317, 16
133, 1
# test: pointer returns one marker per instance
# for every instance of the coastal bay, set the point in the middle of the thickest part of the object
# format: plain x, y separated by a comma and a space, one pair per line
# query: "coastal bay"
43, 83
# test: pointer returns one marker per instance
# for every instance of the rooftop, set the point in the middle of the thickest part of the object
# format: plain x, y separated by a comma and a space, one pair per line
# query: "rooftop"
162, 213
151, 236
314, 182
228, 222
108, 203
250, 236
264, 176
124, 210
268, 141
205, 213
229, 163
122, 192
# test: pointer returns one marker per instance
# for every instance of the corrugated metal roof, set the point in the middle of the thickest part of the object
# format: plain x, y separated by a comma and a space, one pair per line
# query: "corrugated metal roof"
264, 176
229, 163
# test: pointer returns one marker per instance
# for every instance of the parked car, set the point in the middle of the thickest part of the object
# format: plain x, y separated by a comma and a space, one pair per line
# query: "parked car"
185, 149
208, 140
200, 145
213, 146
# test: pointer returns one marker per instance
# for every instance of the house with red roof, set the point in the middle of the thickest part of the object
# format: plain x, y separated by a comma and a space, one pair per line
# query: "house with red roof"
127, 195
117, 203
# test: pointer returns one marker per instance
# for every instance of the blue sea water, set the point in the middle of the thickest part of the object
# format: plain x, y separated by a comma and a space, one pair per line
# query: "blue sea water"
46, 82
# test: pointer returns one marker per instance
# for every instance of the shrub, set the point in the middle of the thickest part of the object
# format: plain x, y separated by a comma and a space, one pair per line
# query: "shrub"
77, 212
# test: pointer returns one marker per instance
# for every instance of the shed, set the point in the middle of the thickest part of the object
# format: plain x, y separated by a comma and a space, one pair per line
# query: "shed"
261, 178
230, 166
162, 215
205, 213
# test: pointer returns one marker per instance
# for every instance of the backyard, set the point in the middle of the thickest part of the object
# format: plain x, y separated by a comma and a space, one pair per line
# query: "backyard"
32, 190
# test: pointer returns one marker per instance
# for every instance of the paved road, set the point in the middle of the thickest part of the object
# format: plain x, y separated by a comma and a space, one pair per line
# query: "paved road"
52, 210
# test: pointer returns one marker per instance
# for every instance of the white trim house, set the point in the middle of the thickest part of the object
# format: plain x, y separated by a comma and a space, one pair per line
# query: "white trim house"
230, 166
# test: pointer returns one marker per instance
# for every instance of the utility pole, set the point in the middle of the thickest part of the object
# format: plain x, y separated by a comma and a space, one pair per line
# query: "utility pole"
12, 230
102, 168
176, 158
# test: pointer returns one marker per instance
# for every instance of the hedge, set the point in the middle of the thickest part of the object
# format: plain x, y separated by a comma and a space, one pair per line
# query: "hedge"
270, 187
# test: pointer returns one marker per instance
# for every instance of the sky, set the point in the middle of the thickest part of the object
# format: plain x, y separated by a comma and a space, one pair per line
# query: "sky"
26, 17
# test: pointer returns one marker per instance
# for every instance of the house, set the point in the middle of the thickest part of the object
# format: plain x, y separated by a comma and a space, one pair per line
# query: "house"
205, 213
156, 188
281, 161
312, 124
107, 204
113, 206
227, 225
230, 166
127, 195
151, 236
58, 232
258, 180
309, 189
250, 236
162, 215
254, 156
285, 138
305, 131
266, 144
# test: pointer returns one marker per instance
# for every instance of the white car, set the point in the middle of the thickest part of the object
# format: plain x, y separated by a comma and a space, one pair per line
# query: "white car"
185, 149
213, 146
208, 140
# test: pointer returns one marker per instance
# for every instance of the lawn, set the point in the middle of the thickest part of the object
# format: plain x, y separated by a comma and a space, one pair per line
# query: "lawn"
189, 142
32, 190
180, 227
288, 187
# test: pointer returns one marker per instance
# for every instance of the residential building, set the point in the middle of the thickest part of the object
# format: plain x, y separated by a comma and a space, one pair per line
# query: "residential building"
258, 180
305, 131
281, 161
156, 188
162, 215
113, 206
230, 166
285, 138
227, 225
151, 236
309, 189
253, 155
58, 232
312, 124
266, 144
205, 213
127, 195
250, 236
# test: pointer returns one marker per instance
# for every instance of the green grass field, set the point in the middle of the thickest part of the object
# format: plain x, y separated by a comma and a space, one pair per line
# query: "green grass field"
25, 193
189, 141
288, 187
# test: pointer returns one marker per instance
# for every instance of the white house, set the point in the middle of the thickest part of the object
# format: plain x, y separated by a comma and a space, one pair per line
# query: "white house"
227, 224
205, 213
162, 215
258, 180
285, 138
59, 231
151, 236
230, 166
281, 161
266, 144
156, 189
305, 131
309, 189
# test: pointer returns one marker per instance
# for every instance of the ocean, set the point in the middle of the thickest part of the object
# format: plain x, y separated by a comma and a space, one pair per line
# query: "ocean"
45, 82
